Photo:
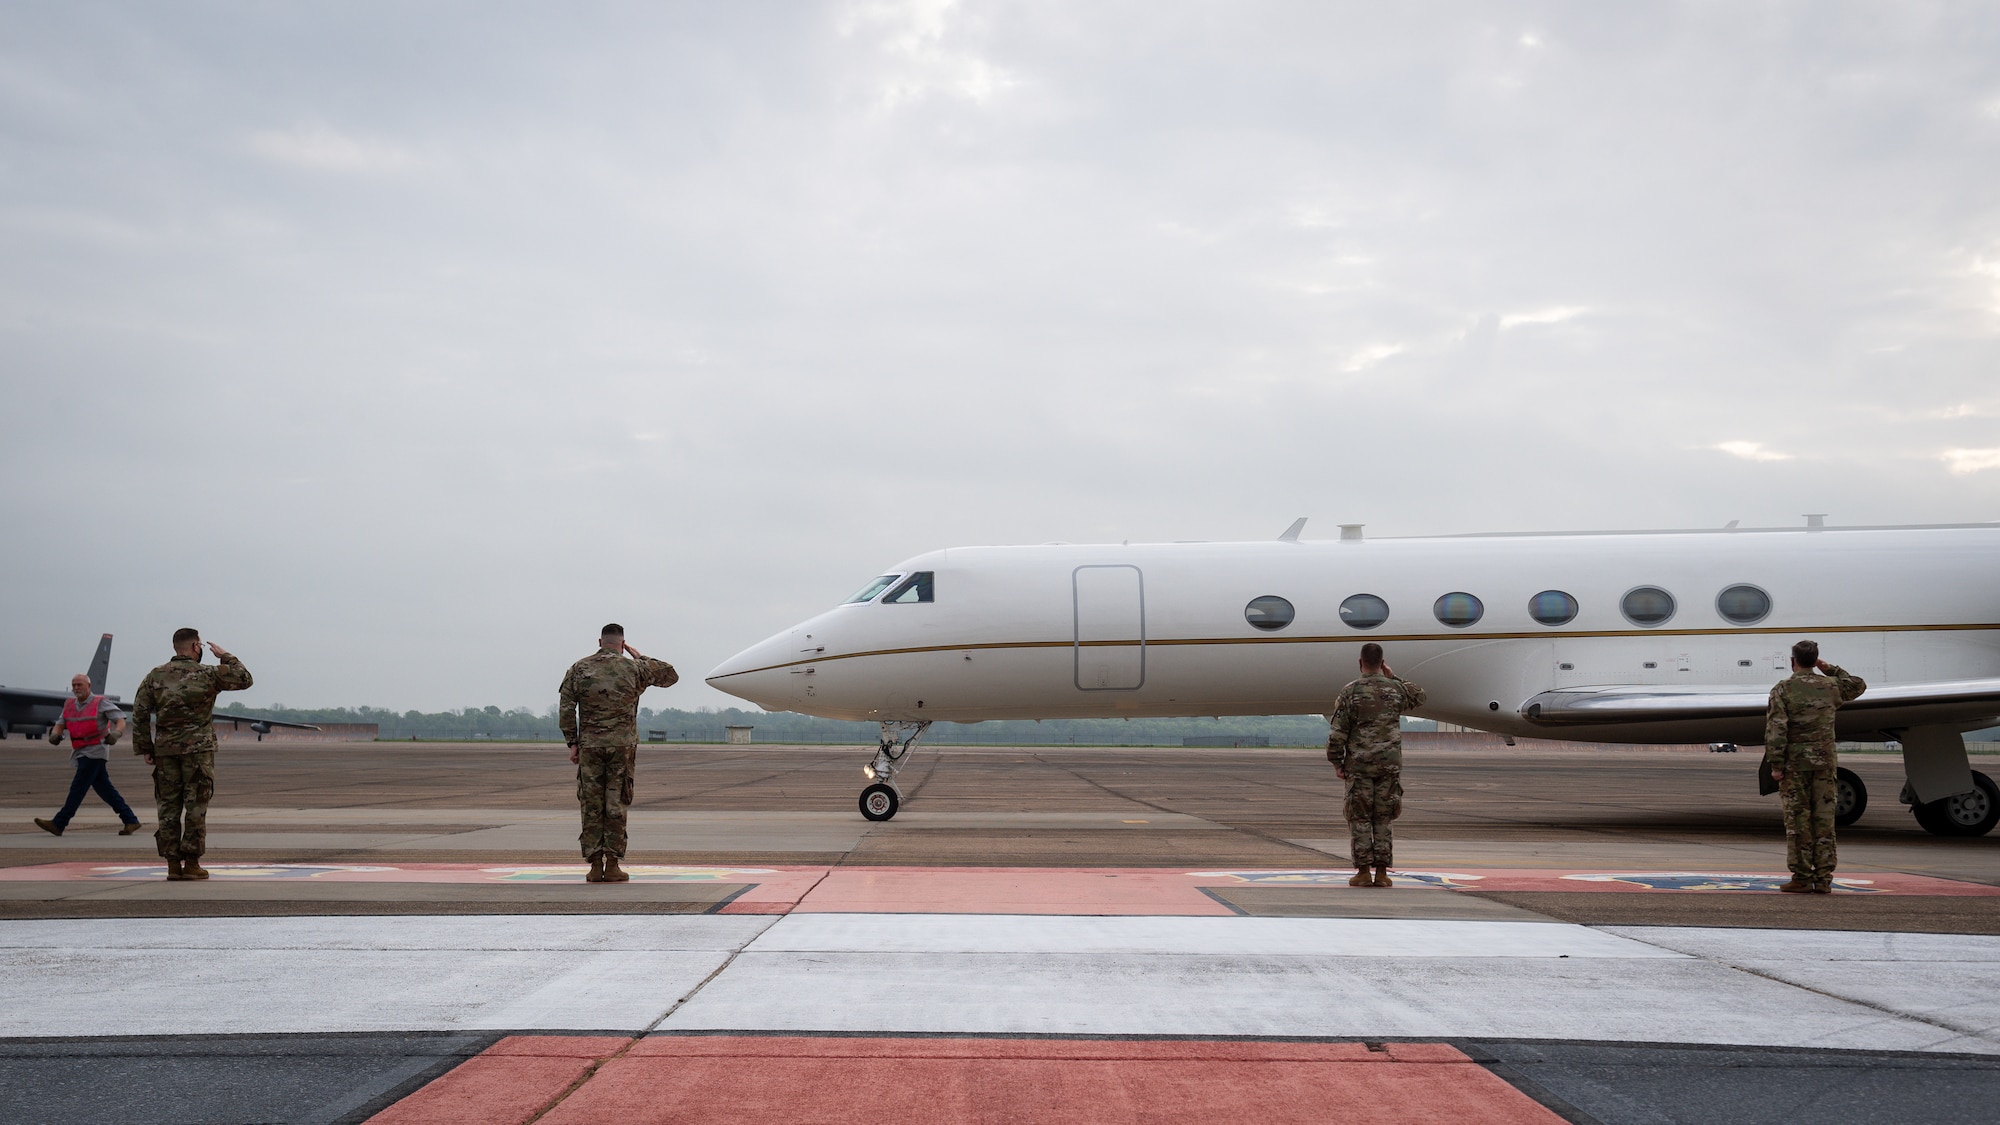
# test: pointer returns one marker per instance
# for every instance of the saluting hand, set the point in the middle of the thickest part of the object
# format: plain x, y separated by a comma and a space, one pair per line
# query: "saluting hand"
632, 652
217, 650
1823, 666
1388, 671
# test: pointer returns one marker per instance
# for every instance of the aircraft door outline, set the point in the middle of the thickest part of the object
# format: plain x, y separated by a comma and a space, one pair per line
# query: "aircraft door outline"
1108, 604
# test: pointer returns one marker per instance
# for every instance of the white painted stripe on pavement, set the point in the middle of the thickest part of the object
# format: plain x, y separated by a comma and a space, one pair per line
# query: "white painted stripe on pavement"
1633, 1000
1349, 978
1218, 937
1721, 944
1951, 980
273, 975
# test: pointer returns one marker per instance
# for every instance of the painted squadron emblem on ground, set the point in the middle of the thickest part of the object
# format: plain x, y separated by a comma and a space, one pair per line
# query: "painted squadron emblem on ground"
236, 871
1693, 881
1333, 878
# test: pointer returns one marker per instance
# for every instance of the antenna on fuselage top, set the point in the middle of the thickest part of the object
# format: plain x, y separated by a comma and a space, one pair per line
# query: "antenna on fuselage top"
1291, 534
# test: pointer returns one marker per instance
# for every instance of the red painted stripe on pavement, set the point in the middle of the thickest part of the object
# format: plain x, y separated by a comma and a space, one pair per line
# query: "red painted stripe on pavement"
839, 1080
507, 1084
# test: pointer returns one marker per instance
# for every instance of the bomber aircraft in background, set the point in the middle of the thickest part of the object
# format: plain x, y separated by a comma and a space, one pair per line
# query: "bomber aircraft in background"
1634, 637
33, 712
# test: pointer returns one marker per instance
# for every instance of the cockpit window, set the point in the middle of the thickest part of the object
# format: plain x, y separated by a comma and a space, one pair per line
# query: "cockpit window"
918, 587
867, 593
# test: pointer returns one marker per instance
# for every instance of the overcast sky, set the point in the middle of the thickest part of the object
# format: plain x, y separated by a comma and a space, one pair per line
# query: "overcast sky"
398, 346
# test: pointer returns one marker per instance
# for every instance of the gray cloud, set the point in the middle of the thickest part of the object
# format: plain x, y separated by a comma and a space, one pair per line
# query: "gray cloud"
408, 344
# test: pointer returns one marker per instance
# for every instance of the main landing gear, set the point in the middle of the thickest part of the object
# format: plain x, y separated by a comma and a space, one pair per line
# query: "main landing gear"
1850, 797
881, 800
1973, 813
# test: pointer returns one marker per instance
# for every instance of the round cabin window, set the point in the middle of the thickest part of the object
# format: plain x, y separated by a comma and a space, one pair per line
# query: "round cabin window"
1269, 613
1743, 605
1458, 609
1648, 606
1363, 611
1552, 607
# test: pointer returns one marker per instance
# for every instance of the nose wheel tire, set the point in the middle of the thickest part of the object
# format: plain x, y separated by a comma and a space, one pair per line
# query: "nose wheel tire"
880, 802
1850, 798
1967, 814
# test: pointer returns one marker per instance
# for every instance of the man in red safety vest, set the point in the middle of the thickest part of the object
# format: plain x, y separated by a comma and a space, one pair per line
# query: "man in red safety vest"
93, 723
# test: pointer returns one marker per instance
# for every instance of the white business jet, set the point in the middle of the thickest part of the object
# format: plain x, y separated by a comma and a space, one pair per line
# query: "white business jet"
1645, 637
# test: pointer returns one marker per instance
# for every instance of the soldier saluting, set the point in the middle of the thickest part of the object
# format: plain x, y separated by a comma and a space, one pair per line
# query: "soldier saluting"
1366, 749
599, 715
1799, 749
173, 728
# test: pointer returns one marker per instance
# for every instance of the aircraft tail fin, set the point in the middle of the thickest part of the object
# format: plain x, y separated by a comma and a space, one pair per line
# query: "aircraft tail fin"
100, 665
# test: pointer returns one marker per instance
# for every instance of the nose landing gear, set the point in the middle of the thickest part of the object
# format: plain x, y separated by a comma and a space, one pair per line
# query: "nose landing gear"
881, 800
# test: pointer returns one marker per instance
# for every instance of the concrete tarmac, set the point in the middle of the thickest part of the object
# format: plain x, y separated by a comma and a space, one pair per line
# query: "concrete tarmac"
398, 931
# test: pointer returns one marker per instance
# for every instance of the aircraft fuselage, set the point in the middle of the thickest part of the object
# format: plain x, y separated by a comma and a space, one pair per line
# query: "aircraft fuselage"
1074, 631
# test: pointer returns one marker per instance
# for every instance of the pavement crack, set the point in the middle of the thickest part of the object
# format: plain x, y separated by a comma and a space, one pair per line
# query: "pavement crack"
1981, 1033
677, 1005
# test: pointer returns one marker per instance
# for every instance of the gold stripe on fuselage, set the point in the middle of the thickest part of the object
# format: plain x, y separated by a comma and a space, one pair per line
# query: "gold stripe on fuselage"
988, 646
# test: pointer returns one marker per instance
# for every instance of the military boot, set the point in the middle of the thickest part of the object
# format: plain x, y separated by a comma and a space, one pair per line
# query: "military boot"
596, 874
131, 826
1361, 878
612, 872
174, 872
194, 868
48, 826
1822, 886
1798, 886
1382, 877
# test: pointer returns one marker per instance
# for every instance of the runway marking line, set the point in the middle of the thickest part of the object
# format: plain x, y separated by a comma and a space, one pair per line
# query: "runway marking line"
869, 1079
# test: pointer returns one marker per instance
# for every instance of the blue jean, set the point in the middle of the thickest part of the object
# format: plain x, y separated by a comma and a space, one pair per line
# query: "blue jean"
94, 773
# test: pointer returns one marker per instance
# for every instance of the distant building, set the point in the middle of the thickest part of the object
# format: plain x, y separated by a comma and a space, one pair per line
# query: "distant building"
739, 736
1226, 740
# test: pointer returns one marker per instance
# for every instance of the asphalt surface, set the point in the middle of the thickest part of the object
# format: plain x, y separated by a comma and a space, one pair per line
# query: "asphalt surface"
1659, 1085
224, 1080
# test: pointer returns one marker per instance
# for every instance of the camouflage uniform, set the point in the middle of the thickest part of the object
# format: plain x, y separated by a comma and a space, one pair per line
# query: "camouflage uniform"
1798, 739
173, 720
1367, 742
599, 713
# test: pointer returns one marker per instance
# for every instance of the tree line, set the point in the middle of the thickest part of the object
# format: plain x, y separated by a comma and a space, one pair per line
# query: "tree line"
676, 725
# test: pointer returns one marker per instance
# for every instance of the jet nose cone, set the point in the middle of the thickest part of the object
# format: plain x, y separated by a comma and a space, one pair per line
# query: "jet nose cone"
757, 674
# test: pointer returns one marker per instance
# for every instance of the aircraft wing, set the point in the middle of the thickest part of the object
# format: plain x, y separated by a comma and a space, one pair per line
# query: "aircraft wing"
259, 724
13, 695
29, 696
1885, 707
